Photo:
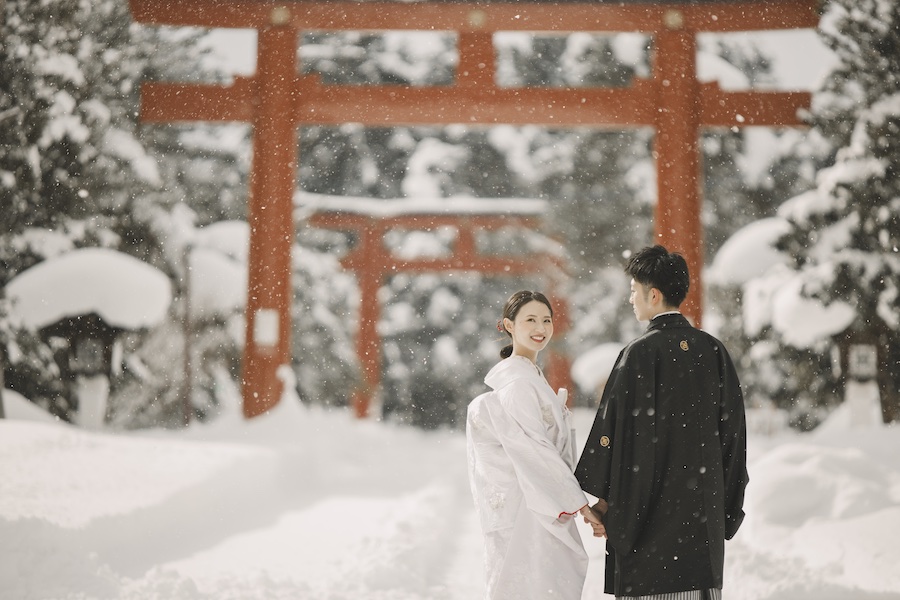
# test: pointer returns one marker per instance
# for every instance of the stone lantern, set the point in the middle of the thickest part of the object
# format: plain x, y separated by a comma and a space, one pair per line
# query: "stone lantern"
870, 377
88, 297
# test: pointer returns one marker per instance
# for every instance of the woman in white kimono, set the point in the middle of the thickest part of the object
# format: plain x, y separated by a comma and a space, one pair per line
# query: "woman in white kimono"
521, 462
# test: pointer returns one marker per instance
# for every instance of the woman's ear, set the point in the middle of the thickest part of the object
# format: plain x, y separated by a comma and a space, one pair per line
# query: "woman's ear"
508, 325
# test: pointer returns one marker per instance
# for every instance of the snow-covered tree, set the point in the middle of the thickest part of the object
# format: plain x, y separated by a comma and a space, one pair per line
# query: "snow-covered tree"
844, 235
58, 177
76, 168
323, 353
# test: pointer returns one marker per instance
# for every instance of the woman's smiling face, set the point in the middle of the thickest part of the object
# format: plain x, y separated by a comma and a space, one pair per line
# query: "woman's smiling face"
531, 330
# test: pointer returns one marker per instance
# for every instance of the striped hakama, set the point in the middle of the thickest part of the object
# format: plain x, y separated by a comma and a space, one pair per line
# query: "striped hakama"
713, 594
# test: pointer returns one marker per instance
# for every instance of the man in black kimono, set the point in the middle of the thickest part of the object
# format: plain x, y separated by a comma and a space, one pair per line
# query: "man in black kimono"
667, 453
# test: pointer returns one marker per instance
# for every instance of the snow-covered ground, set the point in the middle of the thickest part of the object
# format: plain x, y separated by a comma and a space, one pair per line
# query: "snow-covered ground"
307, 504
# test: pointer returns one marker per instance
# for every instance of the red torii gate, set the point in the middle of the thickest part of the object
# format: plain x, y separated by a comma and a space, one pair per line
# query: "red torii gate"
278, 99
372, 262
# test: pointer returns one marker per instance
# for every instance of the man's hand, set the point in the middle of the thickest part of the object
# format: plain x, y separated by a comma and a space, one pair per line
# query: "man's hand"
595, 517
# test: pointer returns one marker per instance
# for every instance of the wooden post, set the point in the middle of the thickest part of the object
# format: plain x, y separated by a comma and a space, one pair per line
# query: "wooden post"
270, 214
678, 208
2, 367
369, 268
187, 390
476, 59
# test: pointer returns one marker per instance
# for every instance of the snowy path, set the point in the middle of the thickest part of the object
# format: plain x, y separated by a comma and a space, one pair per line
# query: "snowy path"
307, 505
301, 505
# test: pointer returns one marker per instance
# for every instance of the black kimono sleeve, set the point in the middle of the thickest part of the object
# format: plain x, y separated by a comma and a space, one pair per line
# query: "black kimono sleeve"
733, 438
618, 461
592, 470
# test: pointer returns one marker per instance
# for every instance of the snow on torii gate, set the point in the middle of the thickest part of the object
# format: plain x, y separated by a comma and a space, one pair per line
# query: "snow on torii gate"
278, 99
371, 220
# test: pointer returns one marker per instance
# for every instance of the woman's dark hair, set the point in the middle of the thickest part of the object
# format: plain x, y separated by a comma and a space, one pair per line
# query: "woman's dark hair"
513, 305
656, 267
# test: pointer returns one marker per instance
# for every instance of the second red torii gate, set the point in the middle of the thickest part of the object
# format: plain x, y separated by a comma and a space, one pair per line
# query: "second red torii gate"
278, 99
371, 220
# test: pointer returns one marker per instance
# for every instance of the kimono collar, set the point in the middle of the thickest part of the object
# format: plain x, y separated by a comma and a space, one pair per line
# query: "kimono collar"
510, 369
668, 321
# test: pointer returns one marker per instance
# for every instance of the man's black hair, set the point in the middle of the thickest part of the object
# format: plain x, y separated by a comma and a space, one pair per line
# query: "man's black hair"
656, 267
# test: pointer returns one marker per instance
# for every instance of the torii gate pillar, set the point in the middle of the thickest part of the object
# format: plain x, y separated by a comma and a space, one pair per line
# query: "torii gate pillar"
271, 221
677, 220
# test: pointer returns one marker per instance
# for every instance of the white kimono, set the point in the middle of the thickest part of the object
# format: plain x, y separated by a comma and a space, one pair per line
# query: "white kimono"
521, 463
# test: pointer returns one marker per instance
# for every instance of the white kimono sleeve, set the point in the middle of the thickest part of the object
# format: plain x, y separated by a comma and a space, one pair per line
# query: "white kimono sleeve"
547, 482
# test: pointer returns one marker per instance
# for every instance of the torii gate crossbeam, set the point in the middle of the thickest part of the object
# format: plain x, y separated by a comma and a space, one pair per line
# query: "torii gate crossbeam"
278, 99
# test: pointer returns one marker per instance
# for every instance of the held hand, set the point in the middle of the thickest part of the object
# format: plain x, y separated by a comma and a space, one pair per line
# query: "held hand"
593, 518
601, 507
590, 516
598, 512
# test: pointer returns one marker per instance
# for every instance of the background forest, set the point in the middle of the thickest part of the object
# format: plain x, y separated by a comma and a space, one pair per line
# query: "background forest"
78, 170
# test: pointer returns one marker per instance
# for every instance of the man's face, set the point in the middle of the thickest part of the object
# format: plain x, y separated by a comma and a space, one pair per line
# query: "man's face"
640, 300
